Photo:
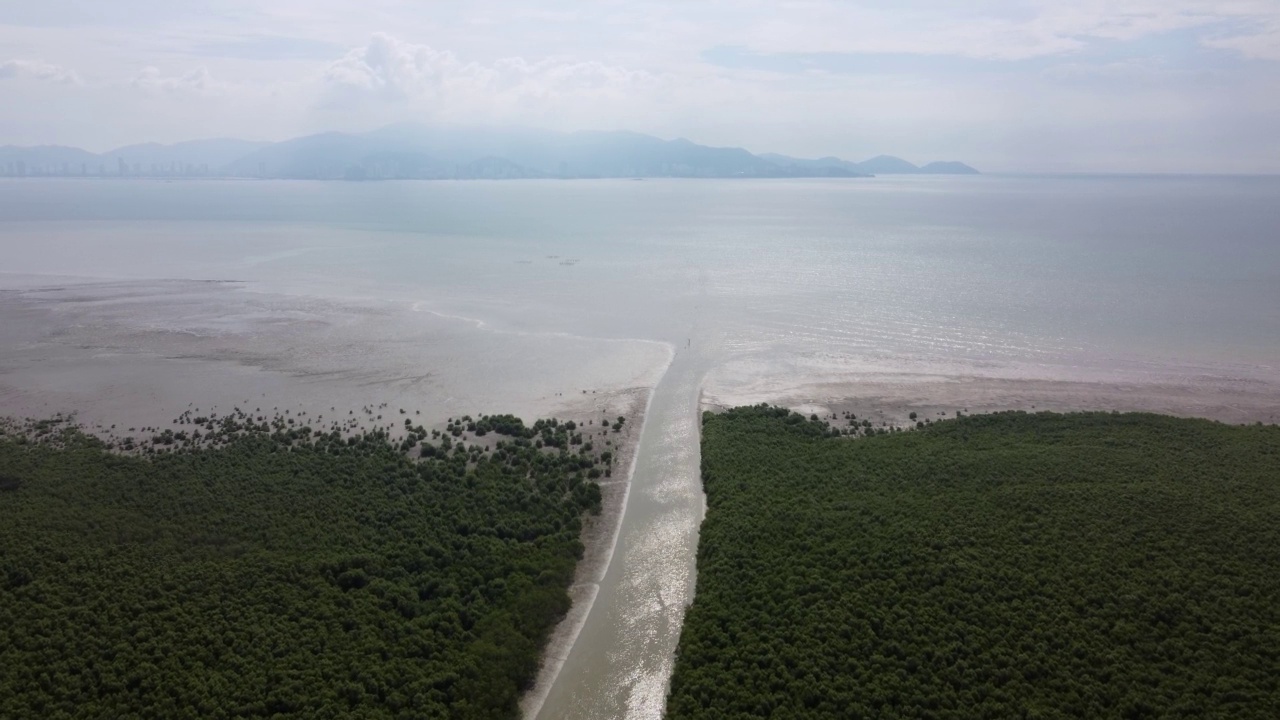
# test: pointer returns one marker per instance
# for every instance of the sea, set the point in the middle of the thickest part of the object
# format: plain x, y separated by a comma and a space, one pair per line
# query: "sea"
1105, 289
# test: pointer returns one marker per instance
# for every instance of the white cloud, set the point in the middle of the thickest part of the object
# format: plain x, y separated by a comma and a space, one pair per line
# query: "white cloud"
1004, 30
1261, 41
38, 70
1126, 74
150, 79
1107, 73
418, 76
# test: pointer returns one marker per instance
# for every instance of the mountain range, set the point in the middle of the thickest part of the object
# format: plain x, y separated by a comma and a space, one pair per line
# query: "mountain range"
431, 152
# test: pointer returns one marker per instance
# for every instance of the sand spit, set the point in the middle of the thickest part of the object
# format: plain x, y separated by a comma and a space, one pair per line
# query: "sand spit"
599, 535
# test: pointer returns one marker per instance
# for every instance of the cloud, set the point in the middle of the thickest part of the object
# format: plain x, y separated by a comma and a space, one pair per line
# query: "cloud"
1004, 30
1261, 41
392, 71
1128, 73
919, 78
397, 70
150, 79
266, 47
38, 70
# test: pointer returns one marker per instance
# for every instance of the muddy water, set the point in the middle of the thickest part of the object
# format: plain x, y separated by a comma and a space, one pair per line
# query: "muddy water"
621, 663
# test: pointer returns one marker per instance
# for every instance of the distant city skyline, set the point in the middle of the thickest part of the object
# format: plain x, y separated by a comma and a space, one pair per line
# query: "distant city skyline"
1031, 85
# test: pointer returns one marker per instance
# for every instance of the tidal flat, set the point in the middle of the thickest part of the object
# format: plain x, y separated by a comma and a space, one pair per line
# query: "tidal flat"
924, 295
135, 354
121, 360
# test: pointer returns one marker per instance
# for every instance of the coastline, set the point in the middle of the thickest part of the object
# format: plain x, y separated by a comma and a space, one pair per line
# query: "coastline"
138, 352
125, 358
599, 538
890, 400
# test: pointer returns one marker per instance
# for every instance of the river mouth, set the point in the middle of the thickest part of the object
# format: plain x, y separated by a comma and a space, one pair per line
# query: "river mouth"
139, 352
621, 661
881, 299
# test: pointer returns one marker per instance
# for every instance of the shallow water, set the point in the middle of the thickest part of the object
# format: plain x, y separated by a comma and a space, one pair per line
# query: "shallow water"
1007, 269
535, 291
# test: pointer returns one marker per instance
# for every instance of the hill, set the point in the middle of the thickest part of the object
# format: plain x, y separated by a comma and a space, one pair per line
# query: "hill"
948, 167
413, 151
880, 165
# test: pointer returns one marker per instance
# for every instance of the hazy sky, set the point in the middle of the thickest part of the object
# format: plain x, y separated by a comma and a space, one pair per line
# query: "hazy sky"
1124, 85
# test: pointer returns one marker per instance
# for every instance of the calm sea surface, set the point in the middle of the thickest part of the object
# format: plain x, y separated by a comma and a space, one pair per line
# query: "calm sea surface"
1027, 277
1073, 270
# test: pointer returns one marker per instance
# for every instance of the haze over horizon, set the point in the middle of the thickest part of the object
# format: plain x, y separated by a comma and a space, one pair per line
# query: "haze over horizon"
1123, 86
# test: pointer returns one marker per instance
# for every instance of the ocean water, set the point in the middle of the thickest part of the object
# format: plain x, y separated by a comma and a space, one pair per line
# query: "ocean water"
1005, 269
751, 288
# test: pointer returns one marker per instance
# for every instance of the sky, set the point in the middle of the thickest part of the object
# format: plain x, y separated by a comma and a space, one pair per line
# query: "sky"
1005, 85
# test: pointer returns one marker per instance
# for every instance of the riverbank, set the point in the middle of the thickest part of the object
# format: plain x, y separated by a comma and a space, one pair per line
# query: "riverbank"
599, 536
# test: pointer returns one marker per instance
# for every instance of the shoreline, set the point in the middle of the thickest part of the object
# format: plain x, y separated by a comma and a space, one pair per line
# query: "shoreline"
137, 352
891, 402
125, 358
600, 540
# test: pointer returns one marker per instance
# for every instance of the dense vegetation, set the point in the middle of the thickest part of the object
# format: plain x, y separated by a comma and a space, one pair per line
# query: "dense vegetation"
1010, 565
251, 567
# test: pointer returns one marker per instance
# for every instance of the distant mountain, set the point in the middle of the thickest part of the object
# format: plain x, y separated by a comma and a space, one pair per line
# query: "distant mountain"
825, 163
888, 165
413, 151
438, 152
948, 167
880, 165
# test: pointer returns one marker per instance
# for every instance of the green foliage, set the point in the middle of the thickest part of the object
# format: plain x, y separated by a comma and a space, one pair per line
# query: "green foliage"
266, 570
1011, 565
